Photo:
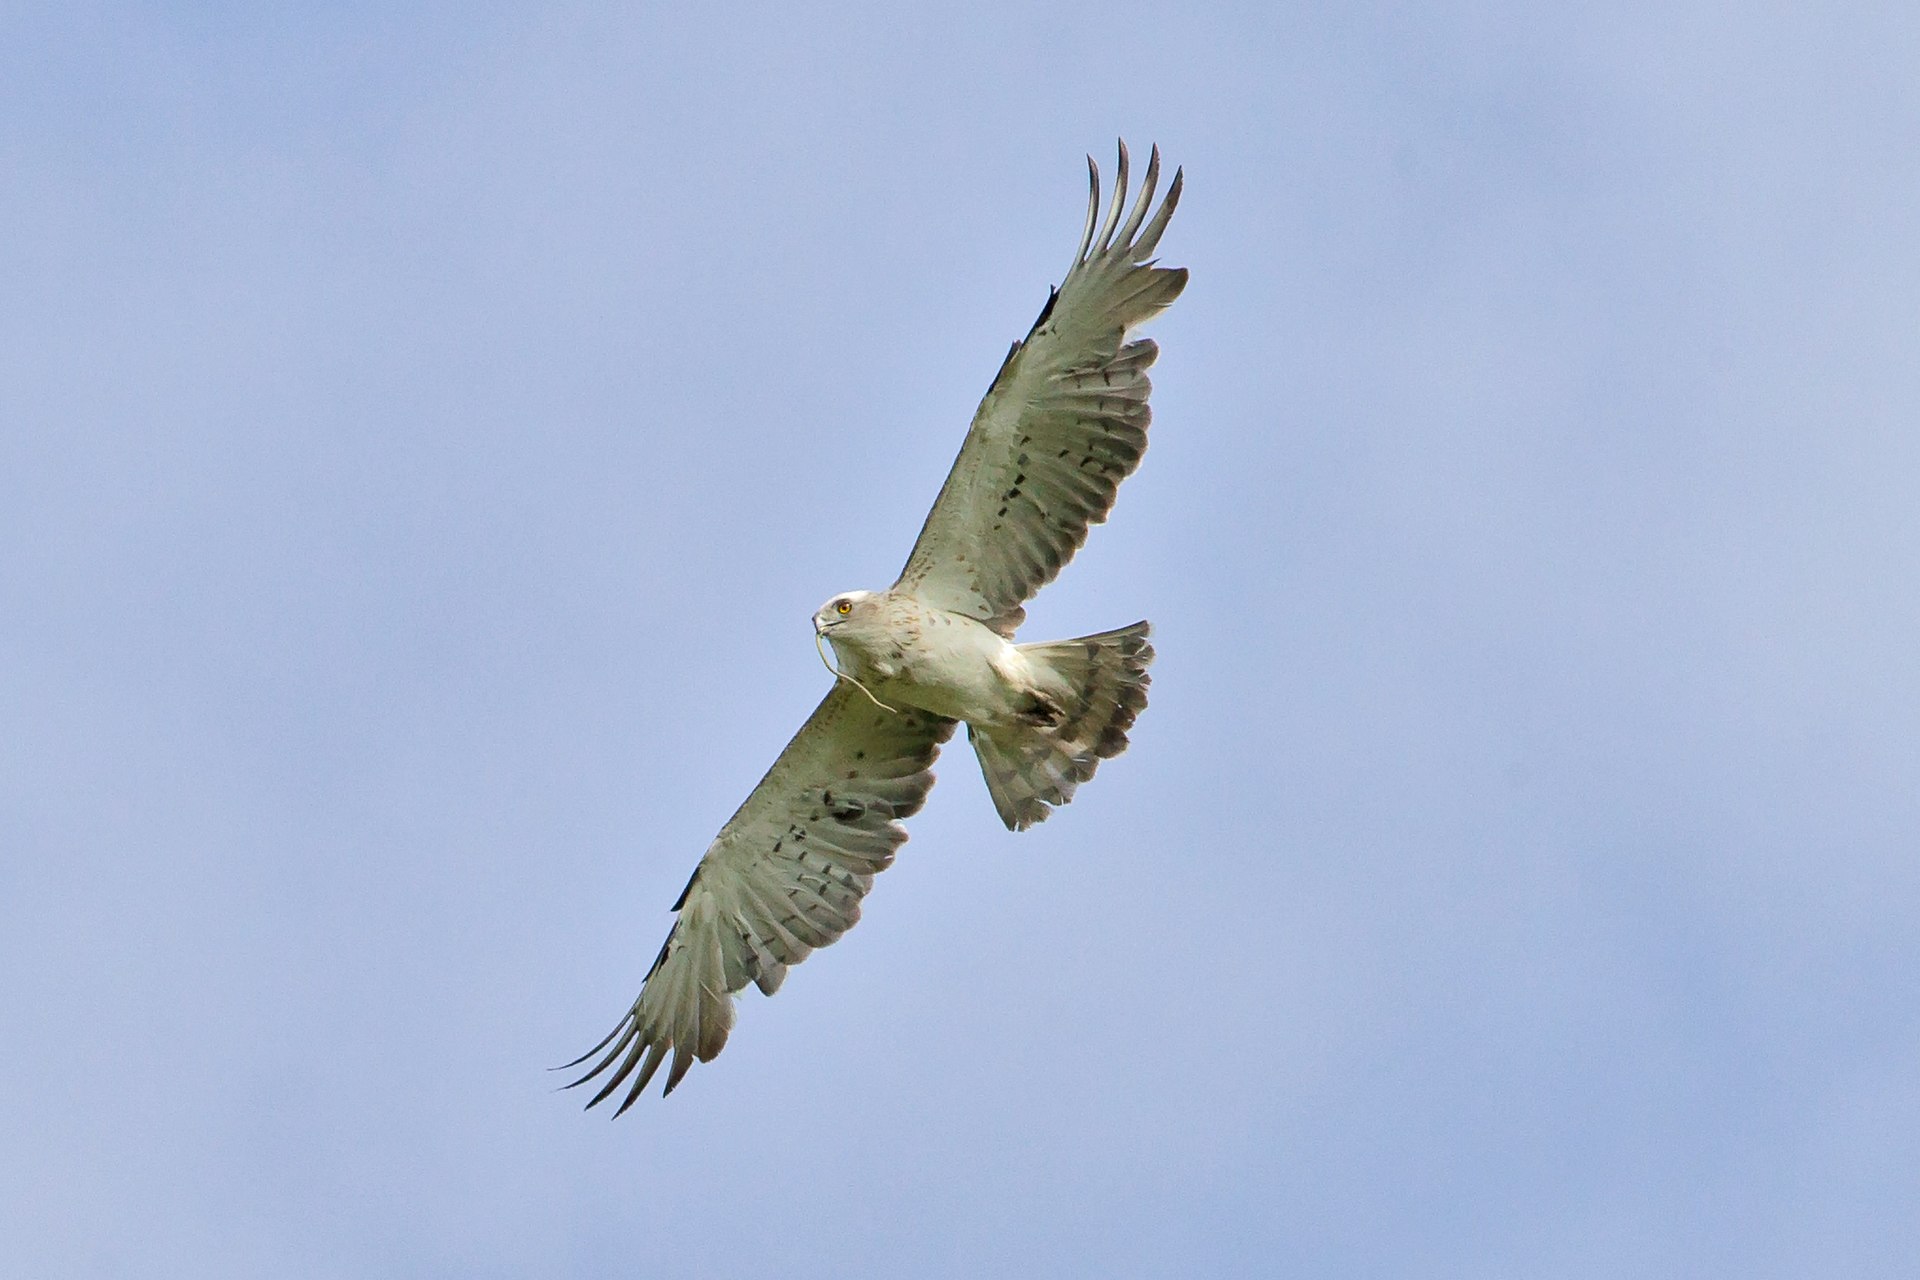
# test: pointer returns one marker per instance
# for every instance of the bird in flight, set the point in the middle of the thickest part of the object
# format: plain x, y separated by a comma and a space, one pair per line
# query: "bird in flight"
1064, 422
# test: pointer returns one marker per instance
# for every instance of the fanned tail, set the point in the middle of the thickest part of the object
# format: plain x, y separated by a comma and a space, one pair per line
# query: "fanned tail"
1032, 767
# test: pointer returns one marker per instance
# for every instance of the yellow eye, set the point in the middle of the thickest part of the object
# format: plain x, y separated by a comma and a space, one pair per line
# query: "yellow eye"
844, 608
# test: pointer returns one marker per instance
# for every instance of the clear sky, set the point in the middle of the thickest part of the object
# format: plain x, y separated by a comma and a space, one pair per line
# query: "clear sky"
425, 431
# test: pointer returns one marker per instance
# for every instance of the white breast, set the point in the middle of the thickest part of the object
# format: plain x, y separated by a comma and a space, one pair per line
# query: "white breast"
952, 665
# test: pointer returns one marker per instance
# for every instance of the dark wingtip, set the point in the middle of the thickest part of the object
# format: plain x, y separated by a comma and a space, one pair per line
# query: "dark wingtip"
604, 1042
1046, 309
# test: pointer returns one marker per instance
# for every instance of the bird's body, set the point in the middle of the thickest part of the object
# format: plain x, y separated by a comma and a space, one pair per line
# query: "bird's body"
907, 653
1064, 422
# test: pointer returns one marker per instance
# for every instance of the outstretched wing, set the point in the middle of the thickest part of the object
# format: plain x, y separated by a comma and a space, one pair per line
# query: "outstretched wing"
1063, 424
785, 875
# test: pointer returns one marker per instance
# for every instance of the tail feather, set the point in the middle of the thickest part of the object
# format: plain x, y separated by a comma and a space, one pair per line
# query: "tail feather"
1097, 686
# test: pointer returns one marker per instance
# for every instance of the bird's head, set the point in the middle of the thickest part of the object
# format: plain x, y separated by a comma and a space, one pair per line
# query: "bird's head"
846, 610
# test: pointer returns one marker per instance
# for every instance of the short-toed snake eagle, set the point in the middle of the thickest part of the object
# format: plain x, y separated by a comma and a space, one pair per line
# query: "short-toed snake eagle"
1063, 424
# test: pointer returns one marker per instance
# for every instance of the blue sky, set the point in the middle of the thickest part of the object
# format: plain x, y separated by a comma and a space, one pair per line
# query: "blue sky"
426, 430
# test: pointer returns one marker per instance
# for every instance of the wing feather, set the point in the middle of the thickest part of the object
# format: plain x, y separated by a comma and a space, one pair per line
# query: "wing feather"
1063, 424
784, 877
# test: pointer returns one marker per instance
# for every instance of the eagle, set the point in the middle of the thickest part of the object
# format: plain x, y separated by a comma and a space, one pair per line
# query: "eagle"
1064, 422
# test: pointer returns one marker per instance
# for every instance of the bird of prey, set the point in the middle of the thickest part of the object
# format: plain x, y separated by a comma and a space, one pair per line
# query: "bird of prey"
1064, 422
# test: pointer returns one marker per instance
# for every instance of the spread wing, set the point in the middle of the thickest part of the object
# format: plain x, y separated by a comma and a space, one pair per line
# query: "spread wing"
785, 875
1063, 424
